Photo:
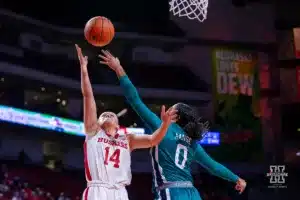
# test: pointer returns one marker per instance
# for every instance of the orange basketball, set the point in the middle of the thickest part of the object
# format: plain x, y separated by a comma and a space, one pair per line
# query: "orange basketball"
99, 31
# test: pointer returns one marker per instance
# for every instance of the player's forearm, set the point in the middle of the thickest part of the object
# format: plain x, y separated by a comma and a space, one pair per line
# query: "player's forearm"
212, 166
89, 104
159, 134
223, 172
136, 103
86, 87
130, 91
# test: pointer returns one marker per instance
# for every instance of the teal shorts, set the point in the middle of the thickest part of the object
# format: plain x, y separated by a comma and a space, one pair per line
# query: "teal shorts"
189, 193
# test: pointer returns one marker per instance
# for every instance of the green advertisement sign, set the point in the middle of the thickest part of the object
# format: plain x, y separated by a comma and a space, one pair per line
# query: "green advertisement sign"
236, 103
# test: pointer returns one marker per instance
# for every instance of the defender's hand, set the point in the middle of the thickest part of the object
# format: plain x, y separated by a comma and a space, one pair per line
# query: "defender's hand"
83, 60
168, 116
109, 60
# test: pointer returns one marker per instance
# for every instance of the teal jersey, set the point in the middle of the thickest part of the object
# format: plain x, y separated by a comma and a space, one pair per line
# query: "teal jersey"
172, 158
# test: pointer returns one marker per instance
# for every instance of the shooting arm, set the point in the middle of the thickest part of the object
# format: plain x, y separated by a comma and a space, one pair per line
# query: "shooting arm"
89, 105
135, 101
147, 141
212, 166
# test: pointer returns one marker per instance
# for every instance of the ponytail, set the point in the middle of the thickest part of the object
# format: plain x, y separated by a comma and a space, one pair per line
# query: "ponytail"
194, 126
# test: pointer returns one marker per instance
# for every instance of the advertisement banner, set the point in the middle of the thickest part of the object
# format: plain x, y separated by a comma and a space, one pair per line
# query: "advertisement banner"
298, 83
236, 97
296, 40
50, 122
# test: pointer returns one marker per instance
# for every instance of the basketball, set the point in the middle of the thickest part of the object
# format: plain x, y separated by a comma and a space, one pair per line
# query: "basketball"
99, 31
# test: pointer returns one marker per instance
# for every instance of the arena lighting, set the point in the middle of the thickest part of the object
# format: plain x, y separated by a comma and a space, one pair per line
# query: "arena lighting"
49, 122
122, 112
72, 127
63, 102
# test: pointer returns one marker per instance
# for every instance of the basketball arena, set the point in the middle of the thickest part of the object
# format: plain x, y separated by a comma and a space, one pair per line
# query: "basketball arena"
230, 68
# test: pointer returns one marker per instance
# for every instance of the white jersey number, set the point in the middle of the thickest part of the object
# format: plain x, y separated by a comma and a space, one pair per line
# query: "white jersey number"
181, 149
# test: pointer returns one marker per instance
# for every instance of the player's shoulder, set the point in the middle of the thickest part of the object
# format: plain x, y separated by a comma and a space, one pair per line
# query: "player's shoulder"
195, 145
170, 135
173, 129
177, 131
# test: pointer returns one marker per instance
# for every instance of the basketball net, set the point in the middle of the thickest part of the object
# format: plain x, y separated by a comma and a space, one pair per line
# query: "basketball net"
192, 9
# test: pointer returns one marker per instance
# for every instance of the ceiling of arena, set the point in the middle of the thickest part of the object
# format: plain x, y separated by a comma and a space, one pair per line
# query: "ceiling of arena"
47, 98
146, 16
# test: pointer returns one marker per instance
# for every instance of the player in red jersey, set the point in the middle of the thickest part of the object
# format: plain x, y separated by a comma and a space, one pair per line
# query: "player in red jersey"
106, 153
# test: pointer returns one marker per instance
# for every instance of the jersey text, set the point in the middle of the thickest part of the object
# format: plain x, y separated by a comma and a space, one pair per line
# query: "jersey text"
113, 143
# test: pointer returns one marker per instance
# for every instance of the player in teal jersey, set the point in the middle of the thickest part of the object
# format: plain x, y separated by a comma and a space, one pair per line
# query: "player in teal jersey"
172, 158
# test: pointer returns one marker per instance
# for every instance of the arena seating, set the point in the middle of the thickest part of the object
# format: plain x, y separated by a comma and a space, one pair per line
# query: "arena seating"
39, 183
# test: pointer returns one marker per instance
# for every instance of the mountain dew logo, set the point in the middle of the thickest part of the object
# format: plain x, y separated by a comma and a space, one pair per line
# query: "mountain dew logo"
234, 73
236, 96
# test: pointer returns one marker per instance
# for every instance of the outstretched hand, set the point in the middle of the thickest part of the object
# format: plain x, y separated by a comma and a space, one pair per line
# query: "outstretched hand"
168, 116
109, 60
240, 185
83, 60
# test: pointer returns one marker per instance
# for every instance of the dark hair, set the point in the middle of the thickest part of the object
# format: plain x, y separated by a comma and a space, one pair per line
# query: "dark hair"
190, 121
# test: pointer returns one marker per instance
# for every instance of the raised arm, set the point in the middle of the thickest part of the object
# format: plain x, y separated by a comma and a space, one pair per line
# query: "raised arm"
147, 141
137, 104
130, 91
89, 104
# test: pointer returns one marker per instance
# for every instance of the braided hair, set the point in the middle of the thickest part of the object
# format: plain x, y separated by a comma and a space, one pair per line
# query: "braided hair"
190, 121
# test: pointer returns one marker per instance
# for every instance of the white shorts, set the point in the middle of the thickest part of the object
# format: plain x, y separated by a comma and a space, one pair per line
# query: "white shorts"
103, 193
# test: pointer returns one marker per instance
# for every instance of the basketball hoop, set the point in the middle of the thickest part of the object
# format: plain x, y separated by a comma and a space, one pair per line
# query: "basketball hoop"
192, 9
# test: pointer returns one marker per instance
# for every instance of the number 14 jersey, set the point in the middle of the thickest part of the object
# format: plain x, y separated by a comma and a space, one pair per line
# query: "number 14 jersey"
107, 159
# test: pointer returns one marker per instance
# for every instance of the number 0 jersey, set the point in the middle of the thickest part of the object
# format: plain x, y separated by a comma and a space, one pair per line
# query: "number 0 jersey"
107, 159
172, 158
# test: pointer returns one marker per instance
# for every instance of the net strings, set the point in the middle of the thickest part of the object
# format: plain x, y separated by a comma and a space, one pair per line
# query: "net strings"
193, 9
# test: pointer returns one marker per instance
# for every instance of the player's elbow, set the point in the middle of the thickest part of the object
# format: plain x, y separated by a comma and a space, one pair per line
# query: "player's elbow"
134, 99
87, 94
215, 168
132, 94
215, 171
